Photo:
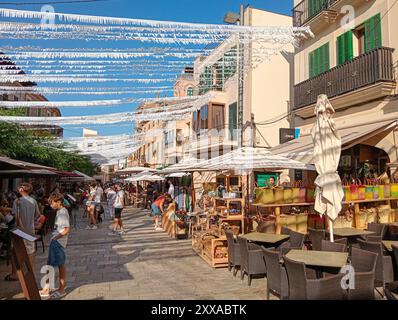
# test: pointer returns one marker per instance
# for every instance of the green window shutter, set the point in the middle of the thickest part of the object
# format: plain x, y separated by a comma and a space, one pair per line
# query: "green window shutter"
232, 121
319, 60
373, 33
377, 31
345, 50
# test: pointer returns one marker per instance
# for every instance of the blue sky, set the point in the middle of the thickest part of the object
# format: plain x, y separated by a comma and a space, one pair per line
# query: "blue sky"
200, 11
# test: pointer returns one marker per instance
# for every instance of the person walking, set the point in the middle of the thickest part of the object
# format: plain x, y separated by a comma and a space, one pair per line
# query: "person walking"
110, 199
25, 210
56, 252
119, 204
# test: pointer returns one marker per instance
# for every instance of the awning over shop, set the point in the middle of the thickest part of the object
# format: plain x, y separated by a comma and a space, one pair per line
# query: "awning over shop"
14, 167
301, 149
248, 159
186, 165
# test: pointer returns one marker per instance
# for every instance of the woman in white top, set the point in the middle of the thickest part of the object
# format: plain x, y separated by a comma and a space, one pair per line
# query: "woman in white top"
92, 222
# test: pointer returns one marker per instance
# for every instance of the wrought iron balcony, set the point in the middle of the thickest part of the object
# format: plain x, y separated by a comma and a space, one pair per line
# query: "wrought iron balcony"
365, 70
308, 9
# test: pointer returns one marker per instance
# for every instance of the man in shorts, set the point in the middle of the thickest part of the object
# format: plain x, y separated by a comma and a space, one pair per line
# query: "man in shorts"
118, 205
25, 210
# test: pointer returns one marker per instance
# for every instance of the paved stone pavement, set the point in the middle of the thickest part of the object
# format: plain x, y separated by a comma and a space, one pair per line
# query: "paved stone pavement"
142, 264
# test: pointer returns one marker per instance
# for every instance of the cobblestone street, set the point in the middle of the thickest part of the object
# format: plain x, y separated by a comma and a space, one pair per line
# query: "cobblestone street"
142, 264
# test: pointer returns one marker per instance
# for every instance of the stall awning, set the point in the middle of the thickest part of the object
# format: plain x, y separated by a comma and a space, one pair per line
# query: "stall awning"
301, 149
14, 167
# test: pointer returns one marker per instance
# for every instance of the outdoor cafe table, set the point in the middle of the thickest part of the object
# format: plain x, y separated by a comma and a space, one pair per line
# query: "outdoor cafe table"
388, 244
319, 259
268, 238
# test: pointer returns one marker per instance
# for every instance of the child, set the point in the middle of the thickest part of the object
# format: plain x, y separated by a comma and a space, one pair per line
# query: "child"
56, 254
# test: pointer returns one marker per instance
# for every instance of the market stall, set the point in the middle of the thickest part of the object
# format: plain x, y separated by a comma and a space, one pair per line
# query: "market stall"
228, 204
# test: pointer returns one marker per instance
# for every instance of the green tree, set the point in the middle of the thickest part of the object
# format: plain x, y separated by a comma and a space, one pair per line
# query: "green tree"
23, 144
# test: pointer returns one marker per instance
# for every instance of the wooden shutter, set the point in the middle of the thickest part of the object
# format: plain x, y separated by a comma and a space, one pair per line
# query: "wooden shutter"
311, 64
325, 58
373, 33
345, 50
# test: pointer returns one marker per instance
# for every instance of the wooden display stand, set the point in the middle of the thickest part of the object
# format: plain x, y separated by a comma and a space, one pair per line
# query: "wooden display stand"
22, 264
357, 209
356, 203
230, 217
209, 257
171, 227
278, 209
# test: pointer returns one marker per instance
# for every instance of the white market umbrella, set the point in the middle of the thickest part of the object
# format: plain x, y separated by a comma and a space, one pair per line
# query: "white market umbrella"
177, 175
135, 170
249, 158
327, 151
150, 178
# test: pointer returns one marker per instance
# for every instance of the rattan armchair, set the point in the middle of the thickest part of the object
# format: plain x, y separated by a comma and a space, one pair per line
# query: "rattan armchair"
364, 264
316, 236
379, 230
384, 268
252, 260
277, 283
302, 288
296, 241
233, 253
333, 246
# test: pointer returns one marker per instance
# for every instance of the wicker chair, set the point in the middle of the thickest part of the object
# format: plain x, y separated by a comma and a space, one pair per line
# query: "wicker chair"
379, 230
395, 252
233, 253
316, 236
364, 264
277, 282
296, 241
333, 246
384, 268
391, 291
342, 241
252, 260
302, 288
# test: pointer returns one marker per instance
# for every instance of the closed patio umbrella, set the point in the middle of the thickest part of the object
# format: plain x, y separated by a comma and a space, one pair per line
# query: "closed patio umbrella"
327, 151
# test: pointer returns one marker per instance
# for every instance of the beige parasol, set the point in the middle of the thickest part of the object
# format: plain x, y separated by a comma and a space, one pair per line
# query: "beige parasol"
327, 150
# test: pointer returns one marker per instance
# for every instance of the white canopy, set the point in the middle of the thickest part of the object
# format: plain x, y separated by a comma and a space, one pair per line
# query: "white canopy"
135, 170
145, 177
177, 175
84, 176
247, 159
186, 165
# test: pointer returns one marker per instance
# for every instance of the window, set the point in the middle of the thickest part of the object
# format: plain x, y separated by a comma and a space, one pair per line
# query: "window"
190, 92
319, 60
217, 117
360, 35
345, 51
233, 121
373, 33
204, 118
316, 6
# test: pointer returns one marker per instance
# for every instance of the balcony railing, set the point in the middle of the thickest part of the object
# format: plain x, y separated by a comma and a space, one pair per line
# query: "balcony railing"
307, 9
364, 70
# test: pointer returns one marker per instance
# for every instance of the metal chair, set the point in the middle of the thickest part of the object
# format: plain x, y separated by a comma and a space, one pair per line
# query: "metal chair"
234, 259
277, 282
316, 236
364, 264
252, 260
302, 288
384, 269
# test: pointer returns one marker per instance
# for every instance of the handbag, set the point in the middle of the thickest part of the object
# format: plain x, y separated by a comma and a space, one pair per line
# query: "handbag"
279, 195
310, 194
383, 214
299, 192
264, 196
394, 190
354, 188
347, 191
287, 195
387, 191
369, 190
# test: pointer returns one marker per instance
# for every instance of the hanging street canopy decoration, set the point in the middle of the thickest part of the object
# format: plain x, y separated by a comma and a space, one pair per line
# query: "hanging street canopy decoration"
149, 60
